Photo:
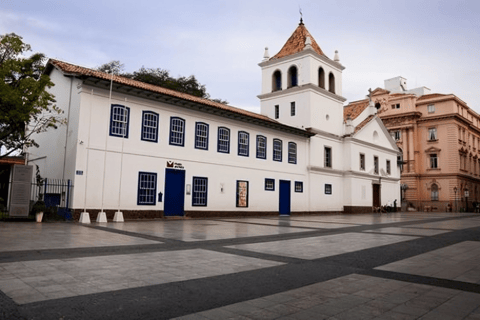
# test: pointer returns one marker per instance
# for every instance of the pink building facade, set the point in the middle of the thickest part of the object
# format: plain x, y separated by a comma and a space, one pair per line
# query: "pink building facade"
439, 136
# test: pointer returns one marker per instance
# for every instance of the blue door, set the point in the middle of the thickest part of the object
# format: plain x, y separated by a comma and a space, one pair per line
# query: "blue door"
174, 192
284, 202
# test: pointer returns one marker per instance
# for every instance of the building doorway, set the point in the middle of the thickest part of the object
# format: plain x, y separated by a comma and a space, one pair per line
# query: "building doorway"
376, 195
174, 204
284, 201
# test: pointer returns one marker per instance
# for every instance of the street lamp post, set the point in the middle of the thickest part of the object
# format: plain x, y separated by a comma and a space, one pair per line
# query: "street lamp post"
466, 199
455, 190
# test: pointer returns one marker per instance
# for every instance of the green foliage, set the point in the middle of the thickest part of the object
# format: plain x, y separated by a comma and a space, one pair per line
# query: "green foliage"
25, 105
39, 206
161, 77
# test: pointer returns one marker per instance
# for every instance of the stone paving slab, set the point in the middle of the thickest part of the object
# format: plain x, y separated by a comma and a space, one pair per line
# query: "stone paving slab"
201, 230
31, 281
324, 246
460, 262
354, 297
450, 224
408, 231
40, 236
291, 222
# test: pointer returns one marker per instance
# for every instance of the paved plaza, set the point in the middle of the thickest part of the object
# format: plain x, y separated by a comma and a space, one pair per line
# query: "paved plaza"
370, 266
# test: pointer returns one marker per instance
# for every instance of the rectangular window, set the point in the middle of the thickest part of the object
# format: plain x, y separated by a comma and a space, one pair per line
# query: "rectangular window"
223, 140
396, 106
433, 161
328, 189
149, 126
199, 192
277, 150
397, 135
243, 143
328, 157
375, 164
261, 147
362, 162
292, 108
147, 188
432, 134
298, 186
277, 111
177, 131
388, 166
119, 118
269, 184
201, 136
292, 152
242, 194
431, 108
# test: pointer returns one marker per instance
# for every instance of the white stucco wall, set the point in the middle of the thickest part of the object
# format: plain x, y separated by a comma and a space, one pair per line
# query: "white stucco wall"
53, 143
140, 155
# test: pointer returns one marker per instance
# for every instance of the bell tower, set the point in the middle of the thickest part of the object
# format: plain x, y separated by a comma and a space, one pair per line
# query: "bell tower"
301, 86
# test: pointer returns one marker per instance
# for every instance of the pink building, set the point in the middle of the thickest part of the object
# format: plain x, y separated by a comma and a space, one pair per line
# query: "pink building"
439, 136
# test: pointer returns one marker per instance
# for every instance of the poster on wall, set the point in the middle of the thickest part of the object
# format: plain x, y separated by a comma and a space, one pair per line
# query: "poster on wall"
242, 194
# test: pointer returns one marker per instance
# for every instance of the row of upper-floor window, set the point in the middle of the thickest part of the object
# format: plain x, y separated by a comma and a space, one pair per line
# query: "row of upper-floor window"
120, 122
328, 158
147, 190
431, 134
376, 167
467, 138
293, 110
292, 78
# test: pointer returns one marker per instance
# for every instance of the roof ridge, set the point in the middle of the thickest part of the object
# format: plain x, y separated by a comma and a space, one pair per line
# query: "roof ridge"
73, 68
296, 43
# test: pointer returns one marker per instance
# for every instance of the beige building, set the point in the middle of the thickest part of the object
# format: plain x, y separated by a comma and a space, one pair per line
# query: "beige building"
439, 136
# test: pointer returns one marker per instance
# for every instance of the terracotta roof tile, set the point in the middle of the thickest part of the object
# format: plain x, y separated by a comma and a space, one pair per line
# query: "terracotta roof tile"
296, 43
82, 71
12, 160
430, 96
353, 109
363, 123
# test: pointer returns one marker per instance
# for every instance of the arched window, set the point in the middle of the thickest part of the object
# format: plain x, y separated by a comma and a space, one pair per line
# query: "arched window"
321, 78
292, 77
331, 83
277, 81
434, 190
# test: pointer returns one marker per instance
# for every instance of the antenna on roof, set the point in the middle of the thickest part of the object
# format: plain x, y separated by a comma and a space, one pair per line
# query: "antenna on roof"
301, 15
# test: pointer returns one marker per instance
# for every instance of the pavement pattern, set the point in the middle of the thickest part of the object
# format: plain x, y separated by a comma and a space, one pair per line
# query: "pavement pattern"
370, 266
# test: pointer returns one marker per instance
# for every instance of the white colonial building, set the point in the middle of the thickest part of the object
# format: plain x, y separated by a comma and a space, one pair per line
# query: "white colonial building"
150, 152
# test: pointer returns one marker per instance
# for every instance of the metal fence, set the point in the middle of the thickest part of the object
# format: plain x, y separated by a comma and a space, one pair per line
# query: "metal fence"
56, 193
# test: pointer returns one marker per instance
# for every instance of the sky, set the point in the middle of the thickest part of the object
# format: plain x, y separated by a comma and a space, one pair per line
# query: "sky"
430, 43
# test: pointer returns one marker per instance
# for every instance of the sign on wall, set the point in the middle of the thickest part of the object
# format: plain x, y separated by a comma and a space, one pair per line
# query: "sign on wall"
21, 191
175, 165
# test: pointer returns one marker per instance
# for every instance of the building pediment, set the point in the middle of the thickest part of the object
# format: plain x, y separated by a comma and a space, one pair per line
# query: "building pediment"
433, 150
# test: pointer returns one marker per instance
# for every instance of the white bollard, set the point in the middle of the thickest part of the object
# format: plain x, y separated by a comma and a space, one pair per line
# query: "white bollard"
84, 217
118, 217
101, 217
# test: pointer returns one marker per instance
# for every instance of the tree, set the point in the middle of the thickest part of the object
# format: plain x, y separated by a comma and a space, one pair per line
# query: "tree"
161, 77
26, 107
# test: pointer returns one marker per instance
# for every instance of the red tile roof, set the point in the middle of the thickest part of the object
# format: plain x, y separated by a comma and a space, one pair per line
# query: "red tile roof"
353, 109
12, 160
82, 71
296, 43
